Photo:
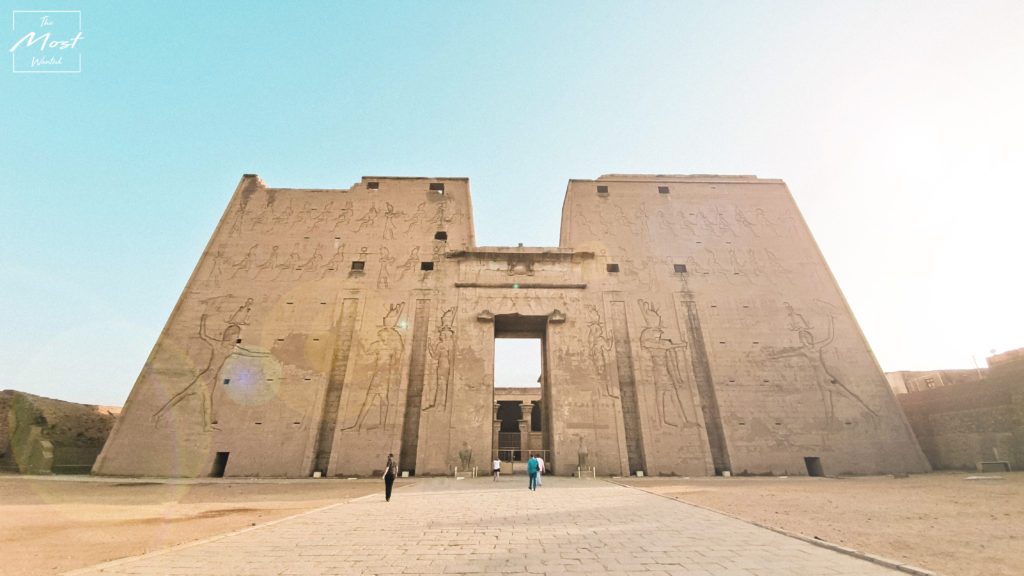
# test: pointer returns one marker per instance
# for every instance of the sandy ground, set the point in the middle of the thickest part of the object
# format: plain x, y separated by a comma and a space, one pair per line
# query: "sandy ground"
950, 523
944, 522
54, 524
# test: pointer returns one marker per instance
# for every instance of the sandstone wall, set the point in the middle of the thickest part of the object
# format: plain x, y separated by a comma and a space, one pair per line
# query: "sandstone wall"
688, 325
961, 426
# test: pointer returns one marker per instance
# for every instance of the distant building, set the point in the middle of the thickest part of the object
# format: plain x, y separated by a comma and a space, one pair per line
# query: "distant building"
970, 416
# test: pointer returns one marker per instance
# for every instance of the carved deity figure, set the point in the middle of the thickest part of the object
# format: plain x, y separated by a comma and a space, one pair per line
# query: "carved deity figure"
335, 261
442, 351
668, 378
384, 276
828, 384
220, 349
465, 456
598, 347
368, 219
386, 363
389, 220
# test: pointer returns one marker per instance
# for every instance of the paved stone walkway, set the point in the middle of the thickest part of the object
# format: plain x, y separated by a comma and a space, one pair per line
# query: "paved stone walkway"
443, 526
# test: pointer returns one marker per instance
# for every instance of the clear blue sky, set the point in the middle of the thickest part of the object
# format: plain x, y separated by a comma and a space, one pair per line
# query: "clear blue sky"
897, 125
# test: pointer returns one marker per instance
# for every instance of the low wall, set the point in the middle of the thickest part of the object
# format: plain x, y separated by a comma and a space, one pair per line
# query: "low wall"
960, 426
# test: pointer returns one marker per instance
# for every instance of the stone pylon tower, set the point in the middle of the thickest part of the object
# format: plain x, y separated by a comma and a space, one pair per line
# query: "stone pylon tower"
689, 325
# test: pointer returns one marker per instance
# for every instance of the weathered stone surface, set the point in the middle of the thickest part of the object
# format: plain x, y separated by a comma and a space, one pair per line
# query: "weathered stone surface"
43, 436
689, 325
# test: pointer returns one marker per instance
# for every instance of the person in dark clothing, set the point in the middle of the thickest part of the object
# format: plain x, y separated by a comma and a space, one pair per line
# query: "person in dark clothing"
390, 471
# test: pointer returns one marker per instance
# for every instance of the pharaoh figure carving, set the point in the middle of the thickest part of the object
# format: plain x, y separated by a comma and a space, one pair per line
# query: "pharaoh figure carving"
668, 378
218, 350
598, 347
813, 351
386, 363
441, 352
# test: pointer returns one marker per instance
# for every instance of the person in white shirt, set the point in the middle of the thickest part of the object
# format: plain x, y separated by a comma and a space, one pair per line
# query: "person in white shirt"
496, 467
540, 469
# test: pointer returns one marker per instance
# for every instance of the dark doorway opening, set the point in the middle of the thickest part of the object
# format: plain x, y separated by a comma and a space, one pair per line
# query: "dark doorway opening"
220, 463
813, 466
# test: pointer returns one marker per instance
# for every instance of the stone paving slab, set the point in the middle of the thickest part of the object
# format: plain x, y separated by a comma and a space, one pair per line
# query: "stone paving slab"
443, 526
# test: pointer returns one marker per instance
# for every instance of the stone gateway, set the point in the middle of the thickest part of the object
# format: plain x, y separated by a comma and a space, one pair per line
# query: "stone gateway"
689, 325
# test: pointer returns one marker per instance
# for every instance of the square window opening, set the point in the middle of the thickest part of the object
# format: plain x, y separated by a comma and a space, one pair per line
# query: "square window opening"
358, 265
679, 268
373, 185
426, 265
602, 189
437, 187
612, 267
662, 189
441, 236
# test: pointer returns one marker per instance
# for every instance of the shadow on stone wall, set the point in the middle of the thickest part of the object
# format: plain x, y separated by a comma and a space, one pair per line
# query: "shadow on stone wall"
45, 436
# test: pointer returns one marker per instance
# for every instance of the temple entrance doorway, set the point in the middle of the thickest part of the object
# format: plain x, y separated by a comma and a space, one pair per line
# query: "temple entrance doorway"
520, 425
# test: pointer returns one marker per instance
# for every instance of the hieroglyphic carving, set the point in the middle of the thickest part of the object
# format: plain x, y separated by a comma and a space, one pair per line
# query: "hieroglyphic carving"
313, 263
270, 263
344, 215
220, 348
243, 265
813, 351
417, 217
410, 263
216, 268
290, 264
442, 352
385, 366
668, 378
336, 261
598, 347
389, 220
369, 218
384, 276
322, 217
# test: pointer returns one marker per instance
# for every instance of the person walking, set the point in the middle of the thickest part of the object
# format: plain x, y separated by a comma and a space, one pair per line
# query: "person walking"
531, 468
390, 471
496, 469
540, 470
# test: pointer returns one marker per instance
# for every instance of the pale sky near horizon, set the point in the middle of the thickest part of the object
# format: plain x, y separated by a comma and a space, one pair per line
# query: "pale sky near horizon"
897, 125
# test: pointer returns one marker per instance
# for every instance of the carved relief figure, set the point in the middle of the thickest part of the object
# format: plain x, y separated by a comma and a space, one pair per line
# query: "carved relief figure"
742, 220
598, 347
303, 215
410, 263
385, 366
813, 351
668, 378
270, 263
465, 456
336, 261
322, 218
442, 351
283, 218
384, 277
243, 265
216, 268
344, 215
441, 217
290, 263
220, 349
369, 218
313, 263
389, 221
417, 217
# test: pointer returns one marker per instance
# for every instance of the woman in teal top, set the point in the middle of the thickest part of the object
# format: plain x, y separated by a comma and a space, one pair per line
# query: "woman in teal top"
532, 467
